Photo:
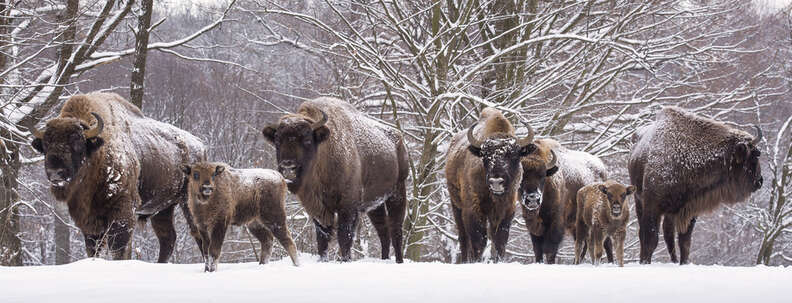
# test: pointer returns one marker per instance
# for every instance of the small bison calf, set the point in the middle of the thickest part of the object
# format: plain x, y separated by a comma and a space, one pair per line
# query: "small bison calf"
219, 195
601, 213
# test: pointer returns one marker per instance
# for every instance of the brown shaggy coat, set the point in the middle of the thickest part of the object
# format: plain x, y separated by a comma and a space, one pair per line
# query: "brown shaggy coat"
602, 213
546, 224
338, 168
220, 196
132, 162
684, 165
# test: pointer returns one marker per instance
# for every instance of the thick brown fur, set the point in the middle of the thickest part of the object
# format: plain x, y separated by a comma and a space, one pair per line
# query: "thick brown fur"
349, 165
546, 224
479, 212
683, 166
596, 220
132, 162
255, 198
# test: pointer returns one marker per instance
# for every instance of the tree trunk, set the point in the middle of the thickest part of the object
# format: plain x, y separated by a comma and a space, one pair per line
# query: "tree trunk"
10, 244
136, 88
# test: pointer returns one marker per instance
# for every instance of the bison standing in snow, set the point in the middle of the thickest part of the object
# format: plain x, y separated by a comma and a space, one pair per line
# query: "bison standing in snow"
105, 171
339, 162
483, 173
602, 214
542, 197
684, 165
221, 196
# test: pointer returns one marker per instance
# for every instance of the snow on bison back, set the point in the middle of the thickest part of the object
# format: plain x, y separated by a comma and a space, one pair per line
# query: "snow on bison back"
105, 172
684, 165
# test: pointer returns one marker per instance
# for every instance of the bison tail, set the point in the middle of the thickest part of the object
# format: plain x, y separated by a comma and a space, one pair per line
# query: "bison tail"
141, 221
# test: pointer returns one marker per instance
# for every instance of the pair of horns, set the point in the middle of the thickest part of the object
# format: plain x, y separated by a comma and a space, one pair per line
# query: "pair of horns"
89, 133
528, 139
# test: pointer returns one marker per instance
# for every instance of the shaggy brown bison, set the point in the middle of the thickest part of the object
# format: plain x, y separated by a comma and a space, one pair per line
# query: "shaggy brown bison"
220, 196
483, 173
602, 214
542, 199
339, 162
683, 165
105, 171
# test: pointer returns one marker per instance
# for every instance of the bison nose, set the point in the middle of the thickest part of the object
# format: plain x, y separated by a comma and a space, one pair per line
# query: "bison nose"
496, 185
758, 183
533, 201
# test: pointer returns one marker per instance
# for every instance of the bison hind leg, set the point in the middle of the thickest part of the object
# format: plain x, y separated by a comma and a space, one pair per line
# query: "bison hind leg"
118, 240
265, 238
378, 218
162, 223
396, 210
684, 242
668, 236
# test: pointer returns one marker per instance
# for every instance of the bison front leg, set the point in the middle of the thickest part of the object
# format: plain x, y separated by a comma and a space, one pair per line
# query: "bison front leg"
216, 244
538, 244
609, 249
323, 235
647, 234
685, 241
500, 237
378, 218
595, 245
93, 245
668, 235
477, 233
162, 223
462, 235
618, 239
347, 221
194, 232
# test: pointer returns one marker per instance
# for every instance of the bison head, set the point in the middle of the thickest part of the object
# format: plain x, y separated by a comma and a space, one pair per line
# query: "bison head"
201, 179
66, 143
536, 168
616, 194
501, 155
746, 160
296, 139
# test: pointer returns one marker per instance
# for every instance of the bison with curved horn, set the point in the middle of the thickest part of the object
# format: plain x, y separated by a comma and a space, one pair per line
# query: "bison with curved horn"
542, 197
107, 171
684, 165
339, 163
483, 173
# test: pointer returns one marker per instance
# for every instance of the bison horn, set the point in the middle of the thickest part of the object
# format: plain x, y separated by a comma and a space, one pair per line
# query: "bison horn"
555, 160
471, 138
528, 139
321, 122
758, 137
93, 132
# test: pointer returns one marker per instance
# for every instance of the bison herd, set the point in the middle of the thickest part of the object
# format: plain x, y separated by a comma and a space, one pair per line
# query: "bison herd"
115, 167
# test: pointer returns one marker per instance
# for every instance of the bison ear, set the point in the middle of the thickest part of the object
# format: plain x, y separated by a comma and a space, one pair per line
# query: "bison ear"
38, 145
603, 189
321, 134
740, 153
630, 190
219, 170
185, 168
93, 144
269, 133
475, 151
552, 171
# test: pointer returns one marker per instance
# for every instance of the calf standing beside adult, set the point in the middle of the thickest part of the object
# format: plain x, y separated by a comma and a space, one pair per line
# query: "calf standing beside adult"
340, 162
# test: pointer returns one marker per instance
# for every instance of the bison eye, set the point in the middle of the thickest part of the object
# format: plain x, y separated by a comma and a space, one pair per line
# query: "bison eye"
196, 176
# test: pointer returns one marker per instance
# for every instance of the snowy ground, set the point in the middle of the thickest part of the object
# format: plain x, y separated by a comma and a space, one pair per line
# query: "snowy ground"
375, 281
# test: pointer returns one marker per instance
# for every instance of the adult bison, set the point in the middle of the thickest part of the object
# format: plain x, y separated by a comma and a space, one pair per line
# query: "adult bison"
339, 162
684, 165
542, 197
483, 174
105, 171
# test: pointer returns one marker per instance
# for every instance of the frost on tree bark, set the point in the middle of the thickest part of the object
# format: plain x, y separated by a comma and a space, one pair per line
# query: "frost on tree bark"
136, 88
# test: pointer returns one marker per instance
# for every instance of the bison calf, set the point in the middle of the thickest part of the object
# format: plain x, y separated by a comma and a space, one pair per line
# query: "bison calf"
218, 196
601, 213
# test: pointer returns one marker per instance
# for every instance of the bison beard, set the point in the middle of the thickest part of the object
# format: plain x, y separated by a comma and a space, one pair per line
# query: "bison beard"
103, 176
683, 165
339, 163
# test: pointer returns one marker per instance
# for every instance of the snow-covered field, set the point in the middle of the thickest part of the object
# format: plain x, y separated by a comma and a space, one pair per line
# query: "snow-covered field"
375, 281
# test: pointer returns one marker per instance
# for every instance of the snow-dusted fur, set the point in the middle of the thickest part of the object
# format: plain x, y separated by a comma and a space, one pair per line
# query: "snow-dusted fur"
546, 224
602, 214
478, 211
351, 164
133, 162
220, 196
684, 165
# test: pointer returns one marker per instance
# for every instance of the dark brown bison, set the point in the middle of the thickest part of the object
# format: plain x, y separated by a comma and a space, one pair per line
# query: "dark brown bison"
542, 199
683, 165
602, 214
220, 196
339, 162
105, 159
483, 173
